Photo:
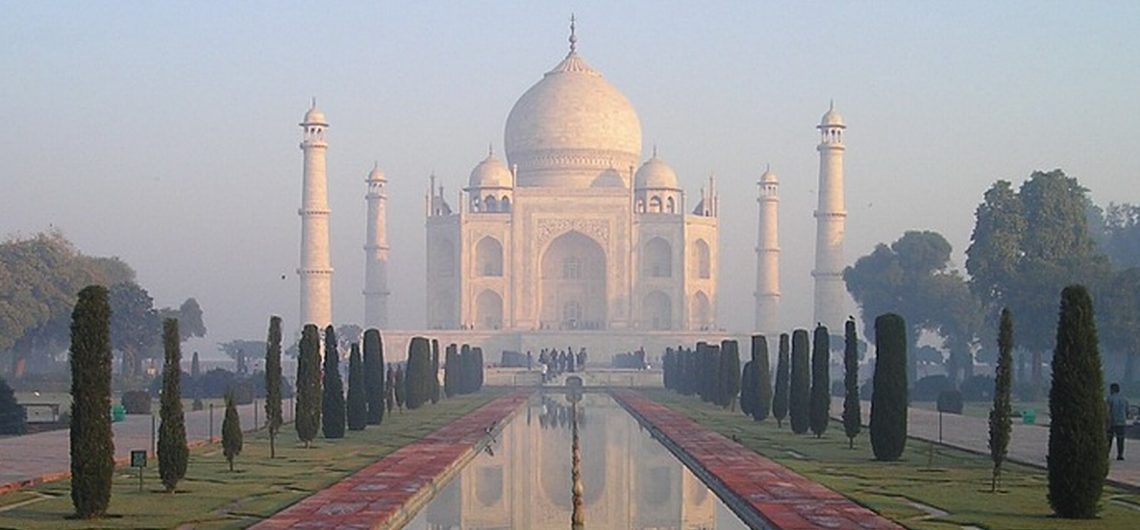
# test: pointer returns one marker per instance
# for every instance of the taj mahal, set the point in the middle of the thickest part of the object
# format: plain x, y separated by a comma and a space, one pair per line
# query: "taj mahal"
573, 235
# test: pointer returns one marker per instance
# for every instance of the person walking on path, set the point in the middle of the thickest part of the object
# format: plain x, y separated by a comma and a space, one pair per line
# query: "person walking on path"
1117, 419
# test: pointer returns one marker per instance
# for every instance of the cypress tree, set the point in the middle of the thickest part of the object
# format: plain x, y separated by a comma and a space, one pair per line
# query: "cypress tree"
92, 446
748, 385
783, 392
173, 453
463, 376
820, 381
400, 384
1078, 458
416, 376
852, 413
451, 370
433, 380
477, 366
1001, 416
273, 416
332, 399
374, 391
800, 396
195, 368
307, 416
889, 388
13, 417
762, 399
231, 430
729, 373
357, 400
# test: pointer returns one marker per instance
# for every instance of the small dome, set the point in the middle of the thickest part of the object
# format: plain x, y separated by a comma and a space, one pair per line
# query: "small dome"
314, 116
768, 177
831, 118
490, 173
655, 173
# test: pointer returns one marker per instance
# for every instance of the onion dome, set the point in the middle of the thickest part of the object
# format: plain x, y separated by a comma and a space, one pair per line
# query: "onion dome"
655, 174
490, 173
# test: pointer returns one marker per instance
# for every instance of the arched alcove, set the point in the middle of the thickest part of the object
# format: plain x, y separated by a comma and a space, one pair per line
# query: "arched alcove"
488, 257
702, 259
702, 311
657, 311
489, 310
573, 274
657, 259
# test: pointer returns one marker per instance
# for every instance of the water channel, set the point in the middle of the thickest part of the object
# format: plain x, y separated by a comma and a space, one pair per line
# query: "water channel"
524, 480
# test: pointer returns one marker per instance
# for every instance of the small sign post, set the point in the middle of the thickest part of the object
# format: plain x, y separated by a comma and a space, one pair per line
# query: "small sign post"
138, 459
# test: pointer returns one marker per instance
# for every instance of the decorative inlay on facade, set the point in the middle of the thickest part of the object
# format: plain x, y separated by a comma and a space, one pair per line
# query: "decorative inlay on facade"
598, 229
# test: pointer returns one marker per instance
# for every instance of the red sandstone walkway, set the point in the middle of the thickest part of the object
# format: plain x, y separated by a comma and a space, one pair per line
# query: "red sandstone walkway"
387, 493
782, 497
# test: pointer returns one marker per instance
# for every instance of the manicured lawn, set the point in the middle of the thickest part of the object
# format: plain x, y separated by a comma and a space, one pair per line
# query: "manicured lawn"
213, 497
910, 491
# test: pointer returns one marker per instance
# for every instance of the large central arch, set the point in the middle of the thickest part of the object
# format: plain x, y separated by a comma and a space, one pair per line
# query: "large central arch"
573, 283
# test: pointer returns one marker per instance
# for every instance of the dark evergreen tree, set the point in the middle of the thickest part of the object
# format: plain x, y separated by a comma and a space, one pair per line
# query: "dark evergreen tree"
273, 411
231, 429
852, 413
357, 400
434, 377
748, 385
889, 388
307, 416
416, 377
195, 368
451, 370
465, 378
782, 397
762, 399
374, 390
728, 374
332, 398
1078, 458
400, 384
820, 409
477, 369
92, 447
13, 418
799, 404
1001, 415
173, 453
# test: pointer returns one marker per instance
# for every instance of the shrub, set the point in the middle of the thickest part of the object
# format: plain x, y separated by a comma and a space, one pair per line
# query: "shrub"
13, 417
950, 401
332, 397
820, 406
799, 406
889, 397
173, 453
92, 448
928, 388
136, 401
374, 376
977, 388
1077, 459
782, 396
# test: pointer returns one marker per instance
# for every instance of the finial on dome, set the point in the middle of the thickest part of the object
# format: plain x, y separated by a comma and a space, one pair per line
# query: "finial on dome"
573, 37
654, 150
490, 150
314, 102
831, 104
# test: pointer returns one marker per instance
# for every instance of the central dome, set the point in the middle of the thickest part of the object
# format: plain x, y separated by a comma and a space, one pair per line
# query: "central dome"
572, 129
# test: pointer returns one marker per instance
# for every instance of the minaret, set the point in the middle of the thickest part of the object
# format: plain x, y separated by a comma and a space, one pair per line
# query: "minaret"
376, 252
768, 256
316, 267
831, 219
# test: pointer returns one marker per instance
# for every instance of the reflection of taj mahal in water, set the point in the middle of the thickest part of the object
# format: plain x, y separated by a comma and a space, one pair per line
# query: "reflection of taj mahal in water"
631, 481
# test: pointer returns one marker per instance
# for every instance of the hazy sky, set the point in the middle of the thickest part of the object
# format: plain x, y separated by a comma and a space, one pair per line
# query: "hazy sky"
166, 133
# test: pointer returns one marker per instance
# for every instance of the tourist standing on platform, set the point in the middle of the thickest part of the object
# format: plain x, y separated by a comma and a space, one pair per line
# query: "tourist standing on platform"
1117, 419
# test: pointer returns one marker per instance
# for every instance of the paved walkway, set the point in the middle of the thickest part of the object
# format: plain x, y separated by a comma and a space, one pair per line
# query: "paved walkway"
1028, 443
36, 458
749, 483
387, 493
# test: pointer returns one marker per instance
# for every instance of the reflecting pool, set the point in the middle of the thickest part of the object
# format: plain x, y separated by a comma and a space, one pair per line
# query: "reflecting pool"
630, 481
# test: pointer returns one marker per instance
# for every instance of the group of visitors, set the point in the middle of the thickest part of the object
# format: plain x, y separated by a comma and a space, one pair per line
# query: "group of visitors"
555, 362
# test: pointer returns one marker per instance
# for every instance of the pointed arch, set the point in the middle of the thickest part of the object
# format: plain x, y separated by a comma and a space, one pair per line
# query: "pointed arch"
657, 259
488, 257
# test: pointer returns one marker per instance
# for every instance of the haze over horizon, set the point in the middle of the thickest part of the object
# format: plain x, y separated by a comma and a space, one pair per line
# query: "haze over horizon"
167, 134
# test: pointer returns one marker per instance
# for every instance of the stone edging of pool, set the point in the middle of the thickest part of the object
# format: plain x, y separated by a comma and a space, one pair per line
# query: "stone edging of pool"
389, 492
761, 492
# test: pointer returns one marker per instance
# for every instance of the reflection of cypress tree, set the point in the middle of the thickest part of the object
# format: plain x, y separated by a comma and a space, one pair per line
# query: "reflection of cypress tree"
762, 377
1077, 459
332, 399
852, 415
357, 408
92, 448
782, 397
820, 381
799, 404
889, 391
173, 453
374, 376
